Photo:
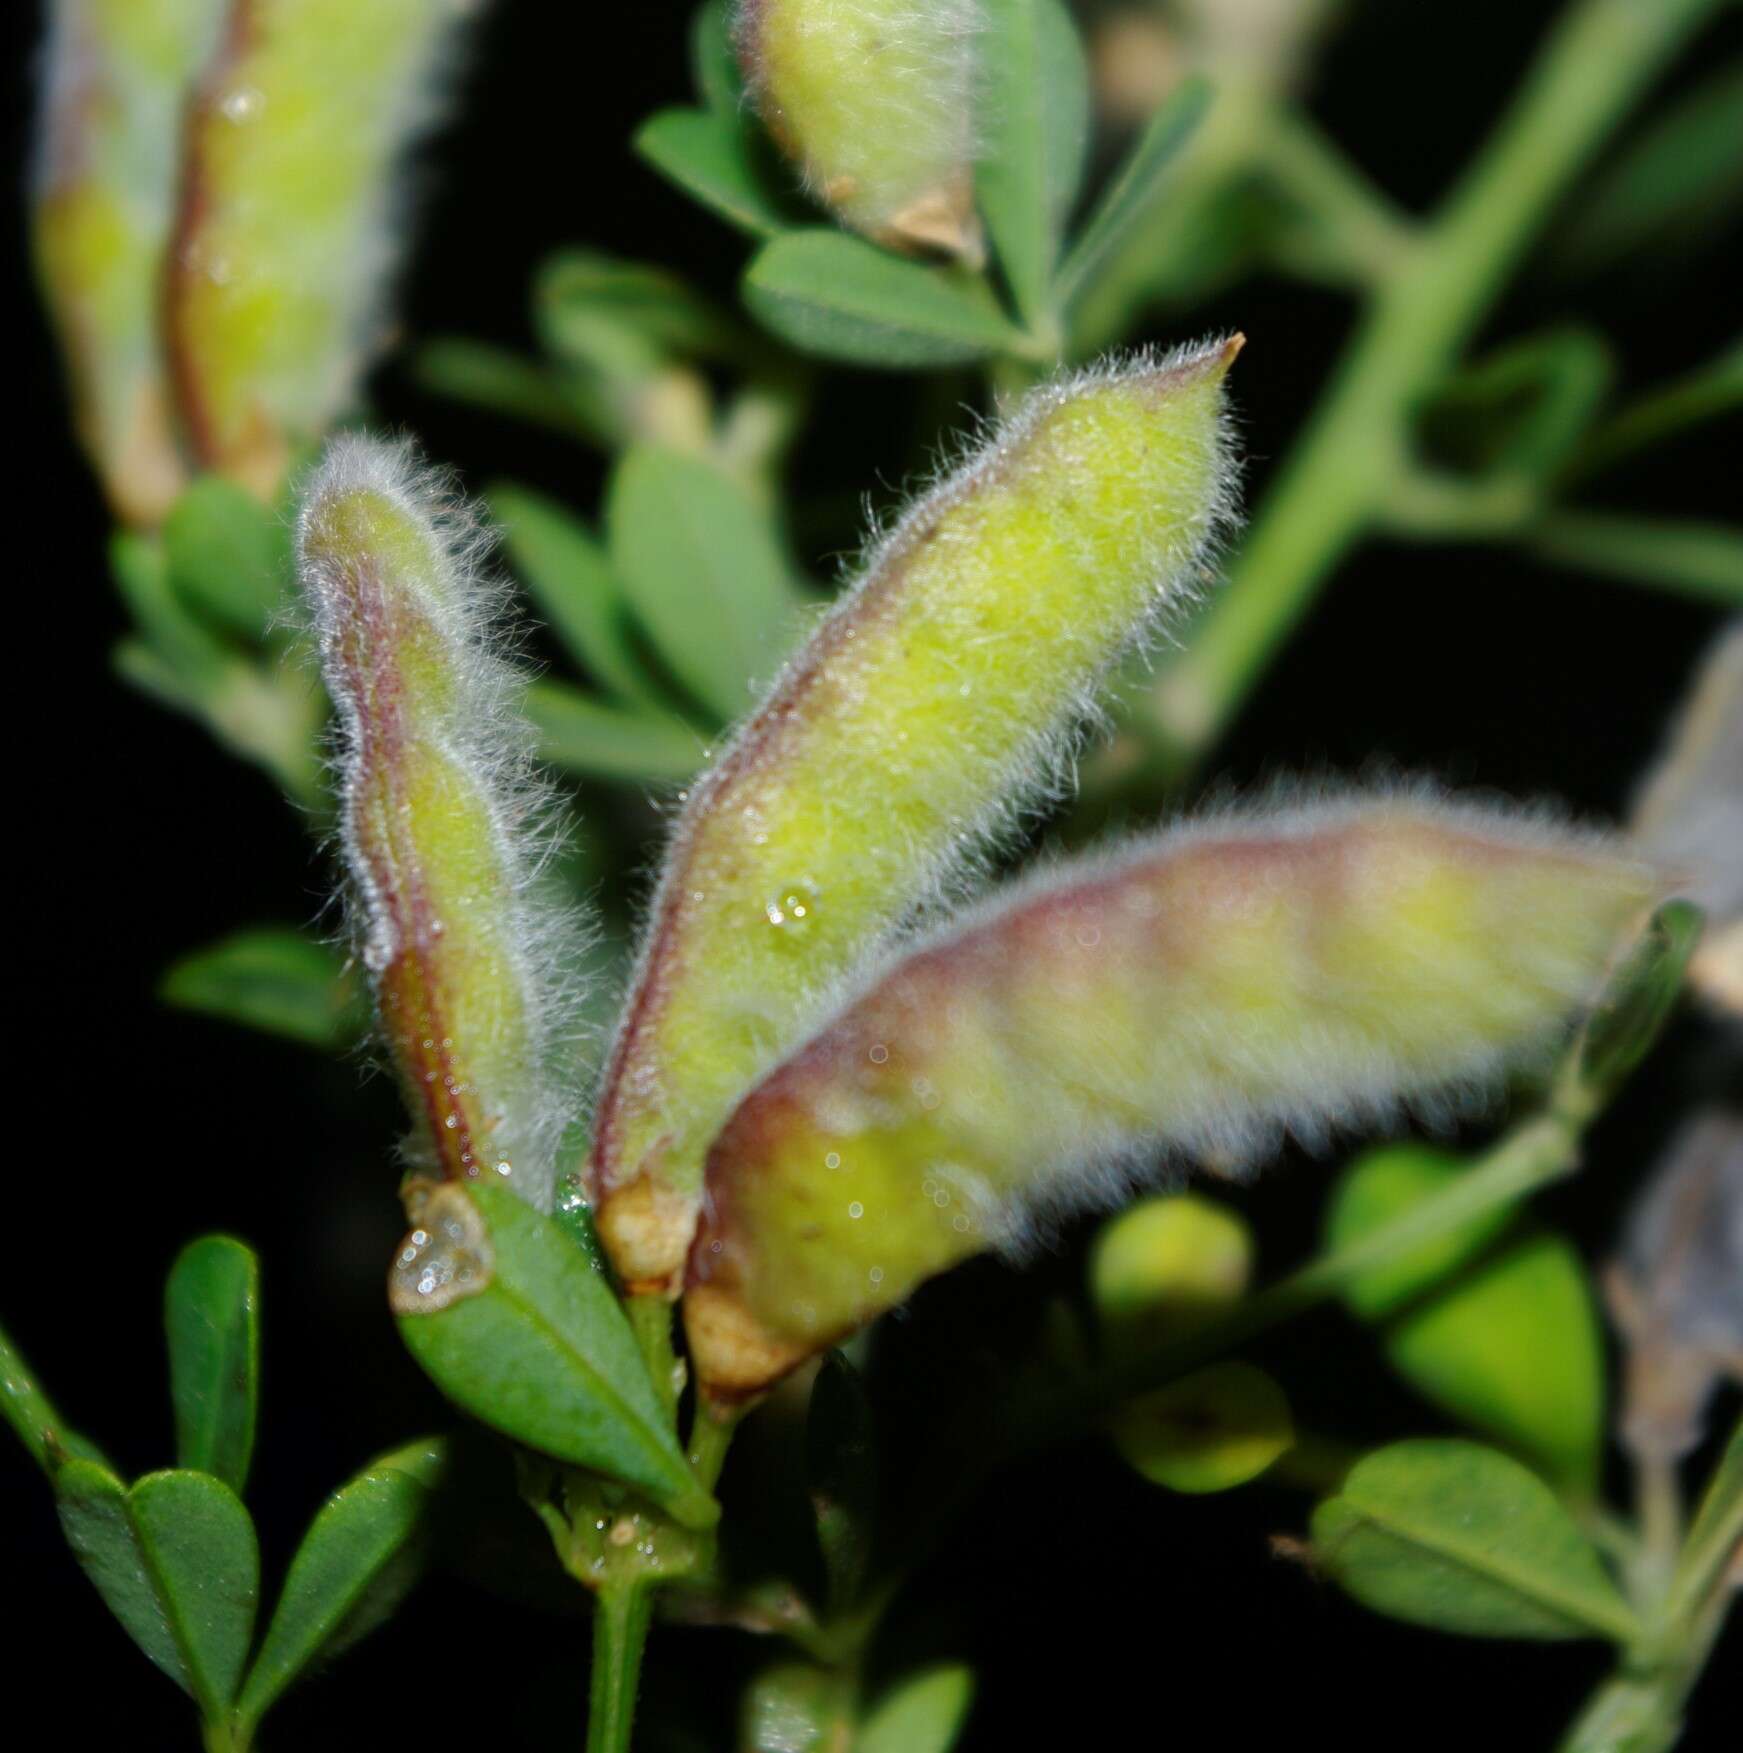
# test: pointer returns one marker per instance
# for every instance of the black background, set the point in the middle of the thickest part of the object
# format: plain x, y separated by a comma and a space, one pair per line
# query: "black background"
1098, 1611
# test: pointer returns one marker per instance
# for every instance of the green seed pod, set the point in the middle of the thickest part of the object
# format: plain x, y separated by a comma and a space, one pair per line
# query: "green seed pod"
467, 966
285, 234
116, 73
941, 694
874, 101
1198, 994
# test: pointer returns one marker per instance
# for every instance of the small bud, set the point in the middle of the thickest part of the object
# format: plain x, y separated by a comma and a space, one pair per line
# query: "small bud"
436, 800
286, 229
1202, 993
1210, 1431
1165, 1264
874, 100
115, 77
1690, 814
941, 694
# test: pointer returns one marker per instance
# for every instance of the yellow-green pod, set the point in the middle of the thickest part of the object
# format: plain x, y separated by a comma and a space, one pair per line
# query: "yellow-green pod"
940, 694
1198, 995
116, 77
874, 101
286, 232
467, 966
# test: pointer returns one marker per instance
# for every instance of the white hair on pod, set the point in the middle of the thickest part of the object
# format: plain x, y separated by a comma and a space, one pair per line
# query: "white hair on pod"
484, 736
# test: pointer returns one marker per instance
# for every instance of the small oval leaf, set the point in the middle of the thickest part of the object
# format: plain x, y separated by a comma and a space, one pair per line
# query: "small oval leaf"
542, 1352
228, 556
176, 1562
1383, 1184
1128, 196
923, 1712
586, 736
276, 980
1459, 1537
1037, 127
703, 570
712, 157
359, 1558
212, 1319
840, 297
569, 579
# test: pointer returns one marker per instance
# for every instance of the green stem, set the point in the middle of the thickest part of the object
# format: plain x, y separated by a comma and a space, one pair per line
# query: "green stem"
650, 1319
1352, 232
1704, 561
711, 1433
1599, 58
620, 1634
1535, 1154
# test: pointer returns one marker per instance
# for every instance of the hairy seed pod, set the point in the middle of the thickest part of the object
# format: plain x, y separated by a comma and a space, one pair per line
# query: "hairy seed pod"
1690, 814
116, 74
439, 818
941, 693
286, 231
874, 101
1199, 994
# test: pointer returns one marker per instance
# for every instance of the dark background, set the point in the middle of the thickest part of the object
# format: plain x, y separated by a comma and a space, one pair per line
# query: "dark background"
1097, 1610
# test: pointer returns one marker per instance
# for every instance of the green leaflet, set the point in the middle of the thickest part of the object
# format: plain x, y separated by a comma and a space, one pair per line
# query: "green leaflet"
713, 64
1134, 186
1378, 1186
599, 310
840, 297
1456, 1536
276, 980
534, 1344
34, 1418
212, 1320
1679, 180
359, 1558
712, 157
175, 1560
1035, 95
924, 1712
498, 380
569, 578
588, 737
700, 564
228, 555
1525, 409
1511, 1343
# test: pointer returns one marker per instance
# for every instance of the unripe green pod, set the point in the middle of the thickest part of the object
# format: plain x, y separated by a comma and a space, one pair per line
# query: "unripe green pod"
874, 101
285, 234
467, 965
1201, 994
116, 74
939, 695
